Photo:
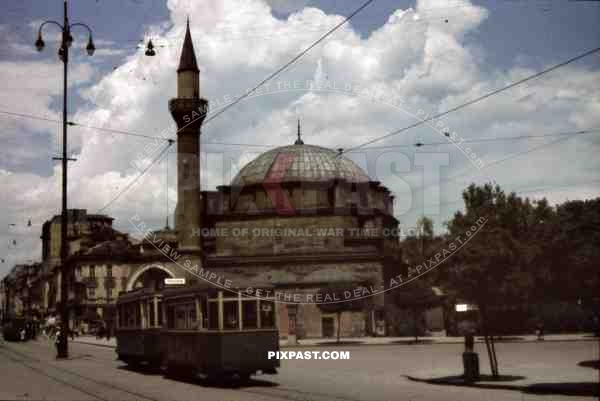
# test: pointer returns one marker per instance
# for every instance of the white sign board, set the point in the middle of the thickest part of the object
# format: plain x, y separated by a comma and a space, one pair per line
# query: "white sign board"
174, 281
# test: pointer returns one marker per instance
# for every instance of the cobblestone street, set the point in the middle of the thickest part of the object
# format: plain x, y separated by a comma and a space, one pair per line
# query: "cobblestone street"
30, 371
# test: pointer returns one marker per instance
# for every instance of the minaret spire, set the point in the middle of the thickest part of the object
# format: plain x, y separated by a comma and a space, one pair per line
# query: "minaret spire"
188, 213
187, 62
299, 141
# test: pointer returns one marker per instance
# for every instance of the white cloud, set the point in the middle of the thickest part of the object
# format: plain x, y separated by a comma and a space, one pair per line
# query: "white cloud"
425, 62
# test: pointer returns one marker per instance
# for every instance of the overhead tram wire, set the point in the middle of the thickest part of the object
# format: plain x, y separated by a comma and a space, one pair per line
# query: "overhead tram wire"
140, 175
486, 140
476, 100
449, 142
122, 132
498, 161
289, 63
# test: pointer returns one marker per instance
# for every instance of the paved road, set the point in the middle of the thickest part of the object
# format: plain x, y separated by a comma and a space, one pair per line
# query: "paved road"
29, 371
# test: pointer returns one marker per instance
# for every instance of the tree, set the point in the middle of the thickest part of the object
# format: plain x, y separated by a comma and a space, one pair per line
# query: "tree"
346, 303
495, 269
577, 237
416, 296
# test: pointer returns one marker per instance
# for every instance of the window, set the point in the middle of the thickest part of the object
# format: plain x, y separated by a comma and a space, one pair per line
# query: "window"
92, 271
213, 315
108, 270
151, 317
179, 318
91, 293
137, 314
267, 314
230, 315
249, 314
170, 317
160, 315
130, 315
182, 317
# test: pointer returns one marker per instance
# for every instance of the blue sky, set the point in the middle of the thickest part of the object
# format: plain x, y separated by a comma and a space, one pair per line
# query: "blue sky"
444, 53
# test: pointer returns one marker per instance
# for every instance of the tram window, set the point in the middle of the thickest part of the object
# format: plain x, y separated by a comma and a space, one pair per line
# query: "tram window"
230, 315
170, 317
150, 306
249, 314
130, 315
179, 318
138, 315
191, 322
160, 316
267, 314
213, 315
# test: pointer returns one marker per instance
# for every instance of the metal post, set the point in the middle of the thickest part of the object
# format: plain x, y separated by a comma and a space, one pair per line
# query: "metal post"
63, 346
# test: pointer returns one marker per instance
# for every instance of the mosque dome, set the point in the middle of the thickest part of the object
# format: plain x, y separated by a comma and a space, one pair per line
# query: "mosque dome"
310, 164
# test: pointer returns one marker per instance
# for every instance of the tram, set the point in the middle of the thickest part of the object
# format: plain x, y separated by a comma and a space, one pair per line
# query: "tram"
202, 331
139, 323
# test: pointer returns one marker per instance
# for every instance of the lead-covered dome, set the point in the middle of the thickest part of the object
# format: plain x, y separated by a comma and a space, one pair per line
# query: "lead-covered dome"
311, 164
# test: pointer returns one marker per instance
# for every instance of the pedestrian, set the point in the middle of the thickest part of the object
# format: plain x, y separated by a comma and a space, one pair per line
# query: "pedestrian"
540, 331
57, 340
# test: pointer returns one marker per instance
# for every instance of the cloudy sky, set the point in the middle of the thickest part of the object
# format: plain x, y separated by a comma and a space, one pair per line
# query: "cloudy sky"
431, 54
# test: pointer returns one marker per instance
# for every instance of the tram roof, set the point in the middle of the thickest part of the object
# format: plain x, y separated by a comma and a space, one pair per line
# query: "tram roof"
212, 290
136, 294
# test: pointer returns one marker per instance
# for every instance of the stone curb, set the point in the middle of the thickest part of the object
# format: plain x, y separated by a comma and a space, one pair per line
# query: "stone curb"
365, 343
490, 386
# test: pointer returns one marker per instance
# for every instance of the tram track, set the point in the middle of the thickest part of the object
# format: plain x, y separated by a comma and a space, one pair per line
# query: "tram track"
86, 382
278, 393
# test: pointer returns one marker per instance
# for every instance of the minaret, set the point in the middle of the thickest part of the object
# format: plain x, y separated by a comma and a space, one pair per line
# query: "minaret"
188, 111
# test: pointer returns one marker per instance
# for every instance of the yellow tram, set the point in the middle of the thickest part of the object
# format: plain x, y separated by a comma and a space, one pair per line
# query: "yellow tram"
202, 330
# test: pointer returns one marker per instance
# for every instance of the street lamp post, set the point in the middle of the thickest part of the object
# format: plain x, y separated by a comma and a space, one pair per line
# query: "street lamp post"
63, 53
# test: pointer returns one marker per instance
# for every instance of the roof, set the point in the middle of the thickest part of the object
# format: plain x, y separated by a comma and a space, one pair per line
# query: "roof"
310, 164
187, 61
111, 247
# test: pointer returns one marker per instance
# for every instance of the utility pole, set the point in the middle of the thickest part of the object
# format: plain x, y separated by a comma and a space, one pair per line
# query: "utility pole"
63, 54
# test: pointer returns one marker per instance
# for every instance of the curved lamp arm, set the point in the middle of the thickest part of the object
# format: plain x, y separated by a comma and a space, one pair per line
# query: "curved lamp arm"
90, 46
49, 22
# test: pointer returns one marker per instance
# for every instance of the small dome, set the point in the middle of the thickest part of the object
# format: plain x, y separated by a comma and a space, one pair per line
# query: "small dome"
311, 164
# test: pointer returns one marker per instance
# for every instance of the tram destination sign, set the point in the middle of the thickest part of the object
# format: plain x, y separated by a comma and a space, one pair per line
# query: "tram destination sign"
175, 281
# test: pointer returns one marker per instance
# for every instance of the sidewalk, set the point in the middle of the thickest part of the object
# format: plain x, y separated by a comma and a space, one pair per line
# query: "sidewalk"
353, 341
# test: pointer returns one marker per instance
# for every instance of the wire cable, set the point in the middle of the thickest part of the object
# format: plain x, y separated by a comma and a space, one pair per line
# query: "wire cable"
484, 140
134, 180
289, 63
478, 99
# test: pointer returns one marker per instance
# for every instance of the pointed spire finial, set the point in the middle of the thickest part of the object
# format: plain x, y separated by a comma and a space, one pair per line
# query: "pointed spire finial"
187, 62
299, 141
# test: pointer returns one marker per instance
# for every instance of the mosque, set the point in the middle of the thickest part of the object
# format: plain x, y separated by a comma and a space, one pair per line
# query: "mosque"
299, 218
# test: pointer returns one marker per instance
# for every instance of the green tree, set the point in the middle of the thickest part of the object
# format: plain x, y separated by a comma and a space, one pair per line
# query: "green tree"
494, 269
417, 296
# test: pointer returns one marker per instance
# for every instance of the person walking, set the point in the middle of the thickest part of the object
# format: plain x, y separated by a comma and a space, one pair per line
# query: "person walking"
540, 331
57, 340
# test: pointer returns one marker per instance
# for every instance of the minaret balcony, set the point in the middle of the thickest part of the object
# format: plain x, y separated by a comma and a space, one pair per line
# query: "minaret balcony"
188, 112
